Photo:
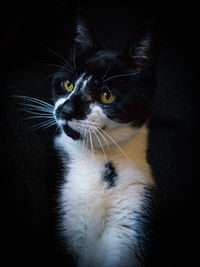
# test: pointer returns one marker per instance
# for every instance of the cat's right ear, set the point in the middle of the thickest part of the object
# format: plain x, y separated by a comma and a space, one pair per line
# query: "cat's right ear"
142, 49
83, 36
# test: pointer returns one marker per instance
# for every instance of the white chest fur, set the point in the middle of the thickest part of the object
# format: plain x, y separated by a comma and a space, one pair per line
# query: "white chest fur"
98, 221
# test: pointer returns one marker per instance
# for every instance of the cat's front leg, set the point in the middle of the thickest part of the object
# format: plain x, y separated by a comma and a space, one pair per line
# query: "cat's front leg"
116, 259
117, 250
119, 258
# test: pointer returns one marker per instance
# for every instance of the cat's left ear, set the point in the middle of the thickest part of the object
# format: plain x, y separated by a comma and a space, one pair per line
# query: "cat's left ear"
142, 49
83, 36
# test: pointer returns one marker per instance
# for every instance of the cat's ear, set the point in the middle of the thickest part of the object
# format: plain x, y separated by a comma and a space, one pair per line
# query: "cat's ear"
143, 47
83, 36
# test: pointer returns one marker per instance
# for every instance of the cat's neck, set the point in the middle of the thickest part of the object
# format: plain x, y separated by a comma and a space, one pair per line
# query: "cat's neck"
128, 154
134, 152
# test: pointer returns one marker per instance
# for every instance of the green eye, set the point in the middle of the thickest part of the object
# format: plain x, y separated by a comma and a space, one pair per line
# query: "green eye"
68, 86
107, 97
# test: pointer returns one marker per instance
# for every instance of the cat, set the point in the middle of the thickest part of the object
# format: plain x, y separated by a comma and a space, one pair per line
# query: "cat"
102, 105
103, 102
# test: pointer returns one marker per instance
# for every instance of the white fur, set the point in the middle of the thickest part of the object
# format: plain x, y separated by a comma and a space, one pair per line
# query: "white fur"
95, 215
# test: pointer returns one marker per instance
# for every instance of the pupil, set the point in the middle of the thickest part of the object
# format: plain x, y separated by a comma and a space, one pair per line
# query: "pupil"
68, 83
107, 95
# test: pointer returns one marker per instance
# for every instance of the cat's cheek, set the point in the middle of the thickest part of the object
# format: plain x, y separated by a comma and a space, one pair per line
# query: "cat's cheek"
96, 115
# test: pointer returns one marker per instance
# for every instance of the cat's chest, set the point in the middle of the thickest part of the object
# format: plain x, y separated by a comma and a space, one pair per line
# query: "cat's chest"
86, 198
86, 181
92, 186
94, 193
93, 180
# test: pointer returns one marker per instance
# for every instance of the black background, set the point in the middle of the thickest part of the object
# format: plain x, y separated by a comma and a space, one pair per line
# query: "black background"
29, 166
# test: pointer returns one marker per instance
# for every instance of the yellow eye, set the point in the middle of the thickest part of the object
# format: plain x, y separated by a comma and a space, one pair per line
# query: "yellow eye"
107, 97
68, 85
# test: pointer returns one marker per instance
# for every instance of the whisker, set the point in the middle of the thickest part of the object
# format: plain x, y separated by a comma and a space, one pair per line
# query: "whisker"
91, 143
61, 57
39, 117
83, 133
106, 159
49, 76
107, 70
44, 124
38, 108
120, 75
87, 141
122, 151
74, 50
58, 75
88, 124
107, 144
34, 100
58, 66
36, 113
44, 127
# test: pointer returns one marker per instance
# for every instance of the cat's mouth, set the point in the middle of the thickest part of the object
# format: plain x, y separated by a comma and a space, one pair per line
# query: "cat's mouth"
85, 127
69, 129
92, 133
80, 129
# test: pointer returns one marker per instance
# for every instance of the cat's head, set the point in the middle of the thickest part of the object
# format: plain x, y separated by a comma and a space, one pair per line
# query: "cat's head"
103, 95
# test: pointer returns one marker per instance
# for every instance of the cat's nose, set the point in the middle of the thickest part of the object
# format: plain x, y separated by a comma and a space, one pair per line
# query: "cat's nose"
65, 111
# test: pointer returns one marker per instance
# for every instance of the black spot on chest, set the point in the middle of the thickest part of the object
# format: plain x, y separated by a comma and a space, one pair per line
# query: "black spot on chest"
110, 175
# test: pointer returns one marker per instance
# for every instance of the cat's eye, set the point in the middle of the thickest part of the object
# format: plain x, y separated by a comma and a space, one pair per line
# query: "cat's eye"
107, 97
68, 85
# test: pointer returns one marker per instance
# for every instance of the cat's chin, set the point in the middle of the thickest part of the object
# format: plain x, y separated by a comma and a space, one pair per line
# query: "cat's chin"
71, 132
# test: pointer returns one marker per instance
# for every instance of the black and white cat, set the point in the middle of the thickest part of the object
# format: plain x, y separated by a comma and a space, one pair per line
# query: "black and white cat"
102, 105
103, 102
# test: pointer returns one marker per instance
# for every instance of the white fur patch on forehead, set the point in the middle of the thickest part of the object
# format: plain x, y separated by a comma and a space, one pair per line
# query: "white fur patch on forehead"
78, 81
61, 100
82, 81
85, 81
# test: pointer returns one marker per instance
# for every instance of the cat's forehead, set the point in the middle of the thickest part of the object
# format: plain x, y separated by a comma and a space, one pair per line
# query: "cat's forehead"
94, 69
85, 82
82, 80
101, 63
103, 56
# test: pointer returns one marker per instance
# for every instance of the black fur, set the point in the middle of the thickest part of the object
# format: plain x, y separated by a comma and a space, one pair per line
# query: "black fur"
72, 133
144, 225
110, 175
